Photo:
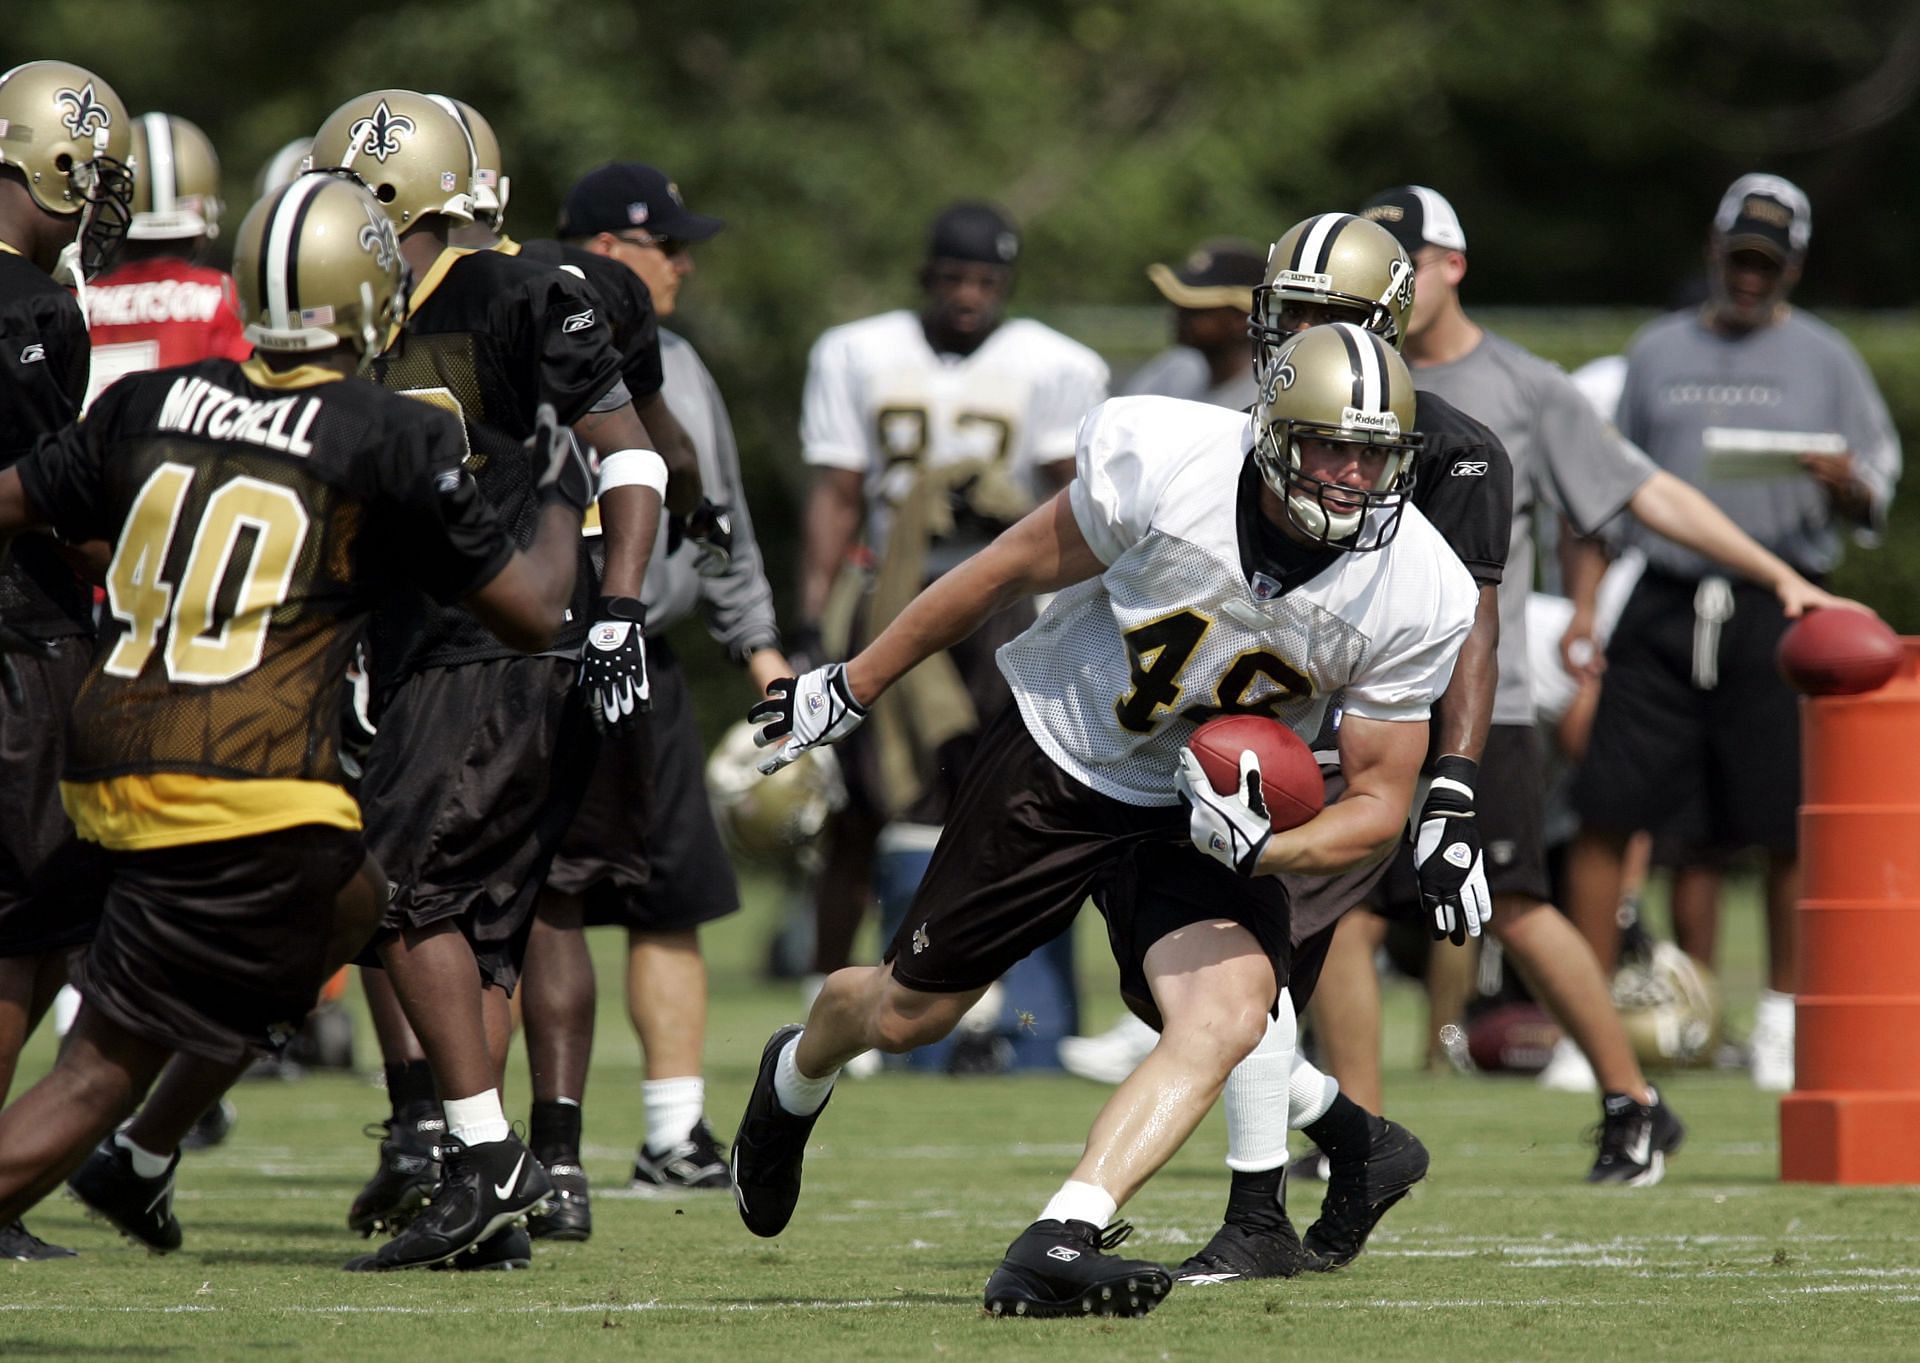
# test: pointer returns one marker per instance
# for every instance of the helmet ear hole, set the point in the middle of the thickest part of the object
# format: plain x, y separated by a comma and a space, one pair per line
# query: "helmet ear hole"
63, 163
384, 192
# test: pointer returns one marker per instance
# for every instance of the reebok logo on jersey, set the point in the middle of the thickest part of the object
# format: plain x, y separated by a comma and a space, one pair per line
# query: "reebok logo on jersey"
33, 354
1470, 468
580, 321
447, 480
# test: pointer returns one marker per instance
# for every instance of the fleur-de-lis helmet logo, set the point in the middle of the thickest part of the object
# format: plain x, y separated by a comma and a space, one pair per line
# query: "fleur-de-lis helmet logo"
85, 114
377, 239
1281, 376
383, 130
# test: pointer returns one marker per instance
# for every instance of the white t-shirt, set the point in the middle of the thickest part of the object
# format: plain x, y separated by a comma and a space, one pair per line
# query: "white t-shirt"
879, 400
1115, 675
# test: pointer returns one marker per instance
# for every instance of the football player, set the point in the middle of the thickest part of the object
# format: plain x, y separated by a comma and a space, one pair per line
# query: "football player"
926, 432
202, 752
1206, 563
64, 193
1211, 293
665, 877
160, 306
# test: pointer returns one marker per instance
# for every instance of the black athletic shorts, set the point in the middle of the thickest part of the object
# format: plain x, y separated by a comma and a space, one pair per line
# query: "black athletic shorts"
1660, 742
472, 780
644, 851
1025, 845
219, 948
51, 883
1510, 802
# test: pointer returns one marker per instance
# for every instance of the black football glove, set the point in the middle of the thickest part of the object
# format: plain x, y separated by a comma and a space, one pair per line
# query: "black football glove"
1446, 855
709, 528
613, 663
807, 712
565, 475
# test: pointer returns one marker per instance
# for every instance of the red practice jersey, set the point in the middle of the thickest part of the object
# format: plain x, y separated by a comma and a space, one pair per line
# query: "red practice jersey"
155, 314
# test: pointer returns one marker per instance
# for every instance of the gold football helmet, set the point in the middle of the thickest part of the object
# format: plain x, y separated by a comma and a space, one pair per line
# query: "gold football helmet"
1332, 267
67, 133
414, 155
1340, 385
1671, 1007
772, 819
490, 183
176, 192
317, 264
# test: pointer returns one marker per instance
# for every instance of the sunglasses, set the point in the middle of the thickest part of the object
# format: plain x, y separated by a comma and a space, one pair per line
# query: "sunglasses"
666, 246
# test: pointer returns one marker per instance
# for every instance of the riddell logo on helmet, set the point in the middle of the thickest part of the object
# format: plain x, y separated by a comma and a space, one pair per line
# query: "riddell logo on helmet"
1352, 418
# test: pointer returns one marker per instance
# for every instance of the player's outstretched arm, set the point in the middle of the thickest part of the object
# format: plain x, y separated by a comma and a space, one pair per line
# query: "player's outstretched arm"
1381, 761
1044, 552
1683, 513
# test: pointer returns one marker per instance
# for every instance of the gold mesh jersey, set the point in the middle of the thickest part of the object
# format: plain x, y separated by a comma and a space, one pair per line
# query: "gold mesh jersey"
256, 519
489, 337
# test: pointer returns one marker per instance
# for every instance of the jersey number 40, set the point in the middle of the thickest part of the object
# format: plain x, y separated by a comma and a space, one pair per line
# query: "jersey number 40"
213, 635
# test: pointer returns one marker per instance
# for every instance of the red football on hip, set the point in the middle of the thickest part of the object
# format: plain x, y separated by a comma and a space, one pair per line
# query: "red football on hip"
1839, 652
1289, 777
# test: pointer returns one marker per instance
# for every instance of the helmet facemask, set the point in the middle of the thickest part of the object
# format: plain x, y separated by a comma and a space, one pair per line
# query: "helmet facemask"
103, 186
1333, 515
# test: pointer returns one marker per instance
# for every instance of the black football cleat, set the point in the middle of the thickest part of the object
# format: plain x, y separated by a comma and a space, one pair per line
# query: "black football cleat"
1255, 1241
568, 1214
504, 1250
1360, 1192
212, 1126
1635, 1140
1061, 1268
483, 1189
139, 1208
21, 1245
408, 1173
695, 1165
768, 1147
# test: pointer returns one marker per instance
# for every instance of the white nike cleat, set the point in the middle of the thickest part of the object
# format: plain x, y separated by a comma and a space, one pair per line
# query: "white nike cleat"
1568, 1070
1112, 1055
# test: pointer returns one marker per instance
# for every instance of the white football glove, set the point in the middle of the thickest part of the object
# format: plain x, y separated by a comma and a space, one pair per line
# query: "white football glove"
808, 712
1453, 883
1232, 829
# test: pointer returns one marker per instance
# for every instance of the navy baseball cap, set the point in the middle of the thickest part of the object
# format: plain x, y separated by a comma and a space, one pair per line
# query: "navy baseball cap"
623, 195
1416, 216
1767, 212
974, 230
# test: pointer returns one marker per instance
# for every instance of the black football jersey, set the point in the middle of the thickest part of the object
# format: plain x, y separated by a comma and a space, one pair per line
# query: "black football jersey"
490, 337
625, 302
257, 519
43, 378
1463, 483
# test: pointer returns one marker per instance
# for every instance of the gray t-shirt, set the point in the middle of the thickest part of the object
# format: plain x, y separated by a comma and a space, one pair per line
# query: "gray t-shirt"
1800, 375
1564, 456
1182, 372
738, 604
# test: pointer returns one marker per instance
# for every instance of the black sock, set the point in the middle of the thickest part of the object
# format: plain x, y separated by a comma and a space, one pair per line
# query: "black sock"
410, 1090
1257, 1196
1345, 1131
555, 1131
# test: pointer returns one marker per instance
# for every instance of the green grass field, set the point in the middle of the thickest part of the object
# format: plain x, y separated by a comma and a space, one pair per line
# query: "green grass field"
914, 1188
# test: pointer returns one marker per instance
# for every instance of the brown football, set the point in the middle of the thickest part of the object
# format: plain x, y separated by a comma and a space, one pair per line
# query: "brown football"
1839, 653
1289, 777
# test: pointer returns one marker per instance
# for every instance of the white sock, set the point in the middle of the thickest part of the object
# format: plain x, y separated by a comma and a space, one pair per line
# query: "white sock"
673, 1107
477, 1120
798, 1094
1256, 1097
1775, 1010
145, 1162
1309, 1093
1081, 1202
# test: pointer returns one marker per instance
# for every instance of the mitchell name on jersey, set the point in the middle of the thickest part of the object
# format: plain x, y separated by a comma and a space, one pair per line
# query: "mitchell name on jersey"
1116, 674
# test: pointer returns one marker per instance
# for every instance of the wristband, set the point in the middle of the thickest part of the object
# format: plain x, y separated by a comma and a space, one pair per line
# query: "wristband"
633, 468
1455, 773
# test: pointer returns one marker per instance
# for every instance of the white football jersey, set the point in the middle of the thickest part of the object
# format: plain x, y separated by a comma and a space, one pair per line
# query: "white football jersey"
1116, 674
879, 400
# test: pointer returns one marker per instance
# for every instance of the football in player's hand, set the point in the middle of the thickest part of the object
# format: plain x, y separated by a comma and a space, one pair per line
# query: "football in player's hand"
1839, 652
1289, 777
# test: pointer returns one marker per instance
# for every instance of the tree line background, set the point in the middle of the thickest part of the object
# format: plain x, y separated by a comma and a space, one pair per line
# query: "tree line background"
1584, 145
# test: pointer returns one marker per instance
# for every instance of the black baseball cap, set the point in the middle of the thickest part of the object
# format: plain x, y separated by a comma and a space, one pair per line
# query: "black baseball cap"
974, 230
1767, 213
623, 195
1222, 273
1416, 216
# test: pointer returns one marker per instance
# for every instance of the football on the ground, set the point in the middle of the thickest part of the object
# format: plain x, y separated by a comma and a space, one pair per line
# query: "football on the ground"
1289, 777
1839, 653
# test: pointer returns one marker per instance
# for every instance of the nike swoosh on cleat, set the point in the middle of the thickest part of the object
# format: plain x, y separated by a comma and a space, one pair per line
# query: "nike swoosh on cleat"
739, 1196
501, 1190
